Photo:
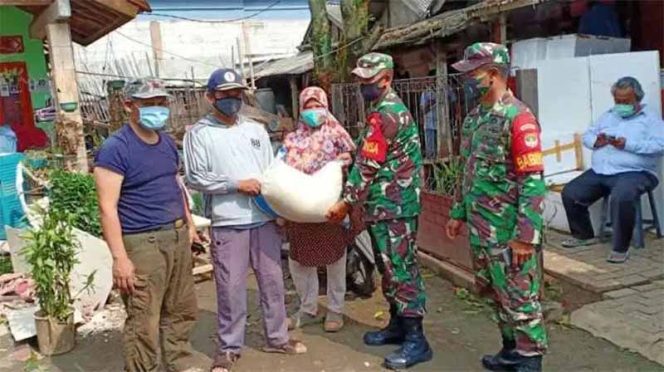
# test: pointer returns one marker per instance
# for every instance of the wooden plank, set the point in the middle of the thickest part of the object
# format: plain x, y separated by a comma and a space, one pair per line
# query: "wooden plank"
204, 269
578, 151
26, 2
559, 149
58, 11
121, 6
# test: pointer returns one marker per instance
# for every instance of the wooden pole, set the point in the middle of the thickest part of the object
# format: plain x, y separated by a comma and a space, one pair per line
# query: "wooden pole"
240, 56
295, 95
247, 47
157, 45
69, 125
499, 29
443, 127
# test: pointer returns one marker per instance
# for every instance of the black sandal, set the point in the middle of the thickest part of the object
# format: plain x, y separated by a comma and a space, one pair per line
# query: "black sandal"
225, 361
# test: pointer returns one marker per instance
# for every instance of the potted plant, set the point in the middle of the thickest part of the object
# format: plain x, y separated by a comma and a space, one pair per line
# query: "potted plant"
436, 205
51, 253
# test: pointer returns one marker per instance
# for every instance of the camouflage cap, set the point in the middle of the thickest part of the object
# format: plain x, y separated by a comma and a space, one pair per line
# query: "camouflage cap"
146, 88
369, 65
480, 54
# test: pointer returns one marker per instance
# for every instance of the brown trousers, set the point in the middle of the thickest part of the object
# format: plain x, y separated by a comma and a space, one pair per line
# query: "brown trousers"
162, 311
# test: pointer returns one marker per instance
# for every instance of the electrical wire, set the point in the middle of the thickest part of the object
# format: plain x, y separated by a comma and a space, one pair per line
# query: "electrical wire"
218, 21
164, 51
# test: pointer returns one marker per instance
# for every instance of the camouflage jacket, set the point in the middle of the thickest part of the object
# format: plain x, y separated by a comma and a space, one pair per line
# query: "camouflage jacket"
386, 174
502, 191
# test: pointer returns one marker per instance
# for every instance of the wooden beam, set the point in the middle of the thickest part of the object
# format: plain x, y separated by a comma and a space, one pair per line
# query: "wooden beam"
26, 2
69, 126
58, 11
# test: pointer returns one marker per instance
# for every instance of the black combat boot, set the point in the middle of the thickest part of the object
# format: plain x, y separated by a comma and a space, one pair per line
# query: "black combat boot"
415, 348
493, 362
513, 361
392, 334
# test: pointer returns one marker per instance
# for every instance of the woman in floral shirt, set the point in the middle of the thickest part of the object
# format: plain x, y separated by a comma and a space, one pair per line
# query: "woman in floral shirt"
318, 140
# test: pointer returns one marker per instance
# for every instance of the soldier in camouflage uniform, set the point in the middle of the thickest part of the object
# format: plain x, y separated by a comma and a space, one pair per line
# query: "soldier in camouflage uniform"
385, 181
500, 199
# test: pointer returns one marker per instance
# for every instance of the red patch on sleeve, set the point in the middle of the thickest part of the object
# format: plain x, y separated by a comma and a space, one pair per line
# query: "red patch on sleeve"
375, 145
526, 144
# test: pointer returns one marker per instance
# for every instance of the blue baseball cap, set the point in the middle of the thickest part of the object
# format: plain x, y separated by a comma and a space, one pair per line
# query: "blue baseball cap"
225, 79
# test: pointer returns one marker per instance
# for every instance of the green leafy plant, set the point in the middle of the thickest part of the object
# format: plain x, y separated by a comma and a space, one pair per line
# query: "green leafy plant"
447, 175
6, 265
76, 193
51, 253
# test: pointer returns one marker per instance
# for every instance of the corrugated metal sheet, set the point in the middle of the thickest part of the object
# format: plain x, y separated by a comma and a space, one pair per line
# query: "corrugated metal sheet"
421, 7
295, 65
448, 23
334, 14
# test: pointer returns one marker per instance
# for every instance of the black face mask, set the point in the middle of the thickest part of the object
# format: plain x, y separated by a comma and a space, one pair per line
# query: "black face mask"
228, 106
371, 92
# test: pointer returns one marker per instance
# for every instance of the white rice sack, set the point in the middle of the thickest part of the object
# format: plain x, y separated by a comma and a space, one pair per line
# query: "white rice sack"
299, 197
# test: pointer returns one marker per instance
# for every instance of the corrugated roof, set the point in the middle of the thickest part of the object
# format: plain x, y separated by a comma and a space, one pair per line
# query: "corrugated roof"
295, 65
420, 7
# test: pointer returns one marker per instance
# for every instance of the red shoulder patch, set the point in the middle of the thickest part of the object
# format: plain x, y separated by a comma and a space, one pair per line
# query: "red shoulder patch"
375, 145
526, 144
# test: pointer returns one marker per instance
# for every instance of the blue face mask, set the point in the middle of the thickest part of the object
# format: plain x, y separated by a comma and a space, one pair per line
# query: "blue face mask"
624, 110
153, 117
314, 117
228, 106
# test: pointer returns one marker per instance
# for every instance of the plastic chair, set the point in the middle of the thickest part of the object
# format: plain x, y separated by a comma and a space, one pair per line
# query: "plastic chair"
641, 225
11, 209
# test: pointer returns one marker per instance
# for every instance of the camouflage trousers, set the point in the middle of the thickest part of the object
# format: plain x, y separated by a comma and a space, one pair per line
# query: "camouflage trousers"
396, 259
514, 292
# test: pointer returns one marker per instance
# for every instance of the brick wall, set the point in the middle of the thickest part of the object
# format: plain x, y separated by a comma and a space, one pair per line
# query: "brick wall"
431, 236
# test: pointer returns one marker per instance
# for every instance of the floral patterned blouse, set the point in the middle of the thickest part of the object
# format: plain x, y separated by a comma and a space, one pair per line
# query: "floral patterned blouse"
307, 149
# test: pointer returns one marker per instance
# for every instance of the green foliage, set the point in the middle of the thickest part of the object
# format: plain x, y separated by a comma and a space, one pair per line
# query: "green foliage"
76, 194
447, 175
51, 252
6, 265
197, 208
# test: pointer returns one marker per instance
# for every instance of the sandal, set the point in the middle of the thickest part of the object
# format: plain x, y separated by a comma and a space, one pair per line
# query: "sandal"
224, 362
333, 322
302, 319
292, 347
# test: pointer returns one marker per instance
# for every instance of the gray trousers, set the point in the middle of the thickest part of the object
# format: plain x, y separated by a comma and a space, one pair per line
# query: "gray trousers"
233, 251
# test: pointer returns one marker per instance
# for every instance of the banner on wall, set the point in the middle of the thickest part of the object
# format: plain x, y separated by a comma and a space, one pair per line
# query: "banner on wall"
11, 44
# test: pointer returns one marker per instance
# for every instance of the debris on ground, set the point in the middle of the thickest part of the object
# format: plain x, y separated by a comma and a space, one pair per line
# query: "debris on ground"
16, 287
110, 318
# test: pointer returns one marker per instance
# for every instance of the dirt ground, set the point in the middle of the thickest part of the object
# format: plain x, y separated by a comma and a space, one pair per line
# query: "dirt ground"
458, 326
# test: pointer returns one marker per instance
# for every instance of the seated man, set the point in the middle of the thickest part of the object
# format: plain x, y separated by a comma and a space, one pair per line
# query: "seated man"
627, 142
